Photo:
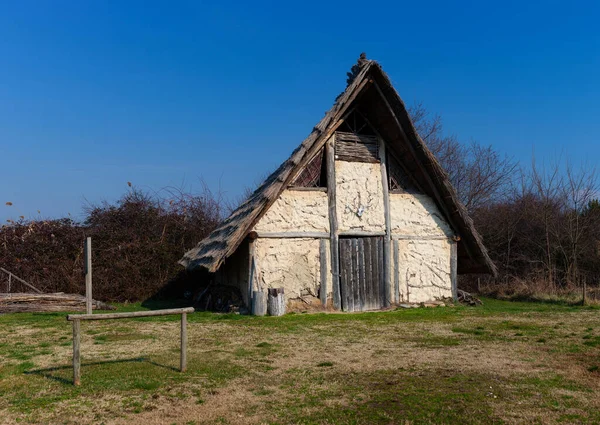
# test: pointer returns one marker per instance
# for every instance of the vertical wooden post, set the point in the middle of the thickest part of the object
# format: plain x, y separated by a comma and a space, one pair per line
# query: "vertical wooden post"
76, 352
333, 223
396, 271
9, 281
88, 275
259, 303
323, 271
454, 269
183, 359
251, 267
276, 301
387, 278
584, 300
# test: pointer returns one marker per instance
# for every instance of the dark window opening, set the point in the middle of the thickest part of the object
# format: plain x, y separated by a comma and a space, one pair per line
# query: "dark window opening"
398, 180
313, 174
355, 123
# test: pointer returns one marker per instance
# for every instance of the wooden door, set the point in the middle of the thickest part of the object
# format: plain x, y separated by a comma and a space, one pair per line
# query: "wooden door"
361, 273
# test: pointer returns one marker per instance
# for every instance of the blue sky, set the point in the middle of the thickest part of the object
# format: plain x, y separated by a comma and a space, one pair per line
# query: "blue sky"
94, 94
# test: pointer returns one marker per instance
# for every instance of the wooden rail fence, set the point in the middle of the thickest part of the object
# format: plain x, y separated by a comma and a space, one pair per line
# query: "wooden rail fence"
77, 318
11, 276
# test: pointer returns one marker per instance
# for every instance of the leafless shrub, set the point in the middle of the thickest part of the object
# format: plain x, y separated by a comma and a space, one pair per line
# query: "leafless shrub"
137, 242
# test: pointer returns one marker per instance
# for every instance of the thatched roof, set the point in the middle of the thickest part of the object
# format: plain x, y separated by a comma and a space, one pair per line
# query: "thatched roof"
371, 89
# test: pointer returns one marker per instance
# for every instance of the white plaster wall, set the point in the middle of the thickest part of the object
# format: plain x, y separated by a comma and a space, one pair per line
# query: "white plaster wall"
291, 263
359, 196
424, 270
297, 211
416, 215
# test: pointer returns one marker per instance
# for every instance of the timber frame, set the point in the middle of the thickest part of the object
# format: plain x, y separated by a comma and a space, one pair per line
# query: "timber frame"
370, 94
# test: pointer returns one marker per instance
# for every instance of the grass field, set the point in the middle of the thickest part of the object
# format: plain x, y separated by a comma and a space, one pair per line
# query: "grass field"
505, 362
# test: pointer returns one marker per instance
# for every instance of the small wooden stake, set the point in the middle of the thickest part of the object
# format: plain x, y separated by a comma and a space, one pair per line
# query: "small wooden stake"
88, 275
584, 291
76, 355
276, 301
259, 303
183, 365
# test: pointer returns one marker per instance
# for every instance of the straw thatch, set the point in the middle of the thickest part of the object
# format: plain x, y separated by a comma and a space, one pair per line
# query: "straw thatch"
369, 87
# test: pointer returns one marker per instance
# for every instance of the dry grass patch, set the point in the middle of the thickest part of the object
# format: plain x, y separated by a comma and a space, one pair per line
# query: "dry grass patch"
501, 363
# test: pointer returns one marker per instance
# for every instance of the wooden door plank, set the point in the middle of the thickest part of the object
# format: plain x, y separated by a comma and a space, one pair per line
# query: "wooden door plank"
374, 274
342, 272
355, 275
349, 273
368, 296
360, 274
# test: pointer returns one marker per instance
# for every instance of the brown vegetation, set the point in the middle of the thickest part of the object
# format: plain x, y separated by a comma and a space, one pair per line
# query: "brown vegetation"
540, 224
137, 242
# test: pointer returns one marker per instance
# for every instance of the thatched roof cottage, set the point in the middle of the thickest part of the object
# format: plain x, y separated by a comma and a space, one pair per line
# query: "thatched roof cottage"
361, 215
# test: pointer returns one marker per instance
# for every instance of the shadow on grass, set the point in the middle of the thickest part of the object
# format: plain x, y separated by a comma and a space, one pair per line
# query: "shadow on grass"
48, 373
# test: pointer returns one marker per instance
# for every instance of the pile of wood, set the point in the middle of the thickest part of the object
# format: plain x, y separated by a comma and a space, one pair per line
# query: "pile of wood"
467, 298
219, 298
32, 303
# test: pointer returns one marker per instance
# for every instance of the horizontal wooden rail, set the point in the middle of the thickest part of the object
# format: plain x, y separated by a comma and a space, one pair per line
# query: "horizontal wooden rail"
150, 313
77, 318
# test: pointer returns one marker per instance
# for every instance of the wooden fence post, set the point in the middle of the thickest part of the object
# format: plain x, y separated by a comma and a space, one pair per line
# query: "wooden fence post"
9, 281
259, 303
276, 302
76, 353
88, 275
183, 365
583, 302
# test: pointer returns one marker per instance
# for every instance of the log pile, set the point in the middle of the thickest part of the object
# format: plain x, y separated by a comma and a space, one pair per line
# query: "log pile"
467, 298
34, 303
218, 298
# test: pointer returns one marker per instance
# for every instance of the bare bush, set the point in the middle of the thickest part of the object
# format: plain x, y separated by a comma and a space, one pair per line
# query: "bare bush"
137, 242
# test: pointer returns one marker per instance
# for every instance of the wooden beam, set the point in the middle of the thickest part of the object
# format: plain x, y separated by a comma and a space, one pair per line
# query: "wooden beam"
319, 142
76, 352
396, 271
422, 238
183, 354
454, 270
313, 235
88, 275
251, 267
361, 233
323, 271
77, 318
401, 163
388, 225
428, 178
21, 280
333, 223
129, 315
307, 189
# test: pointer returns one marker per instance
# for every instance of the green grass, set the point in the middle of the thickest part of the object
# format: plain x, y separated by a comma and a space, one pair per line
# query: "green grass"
400, 366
